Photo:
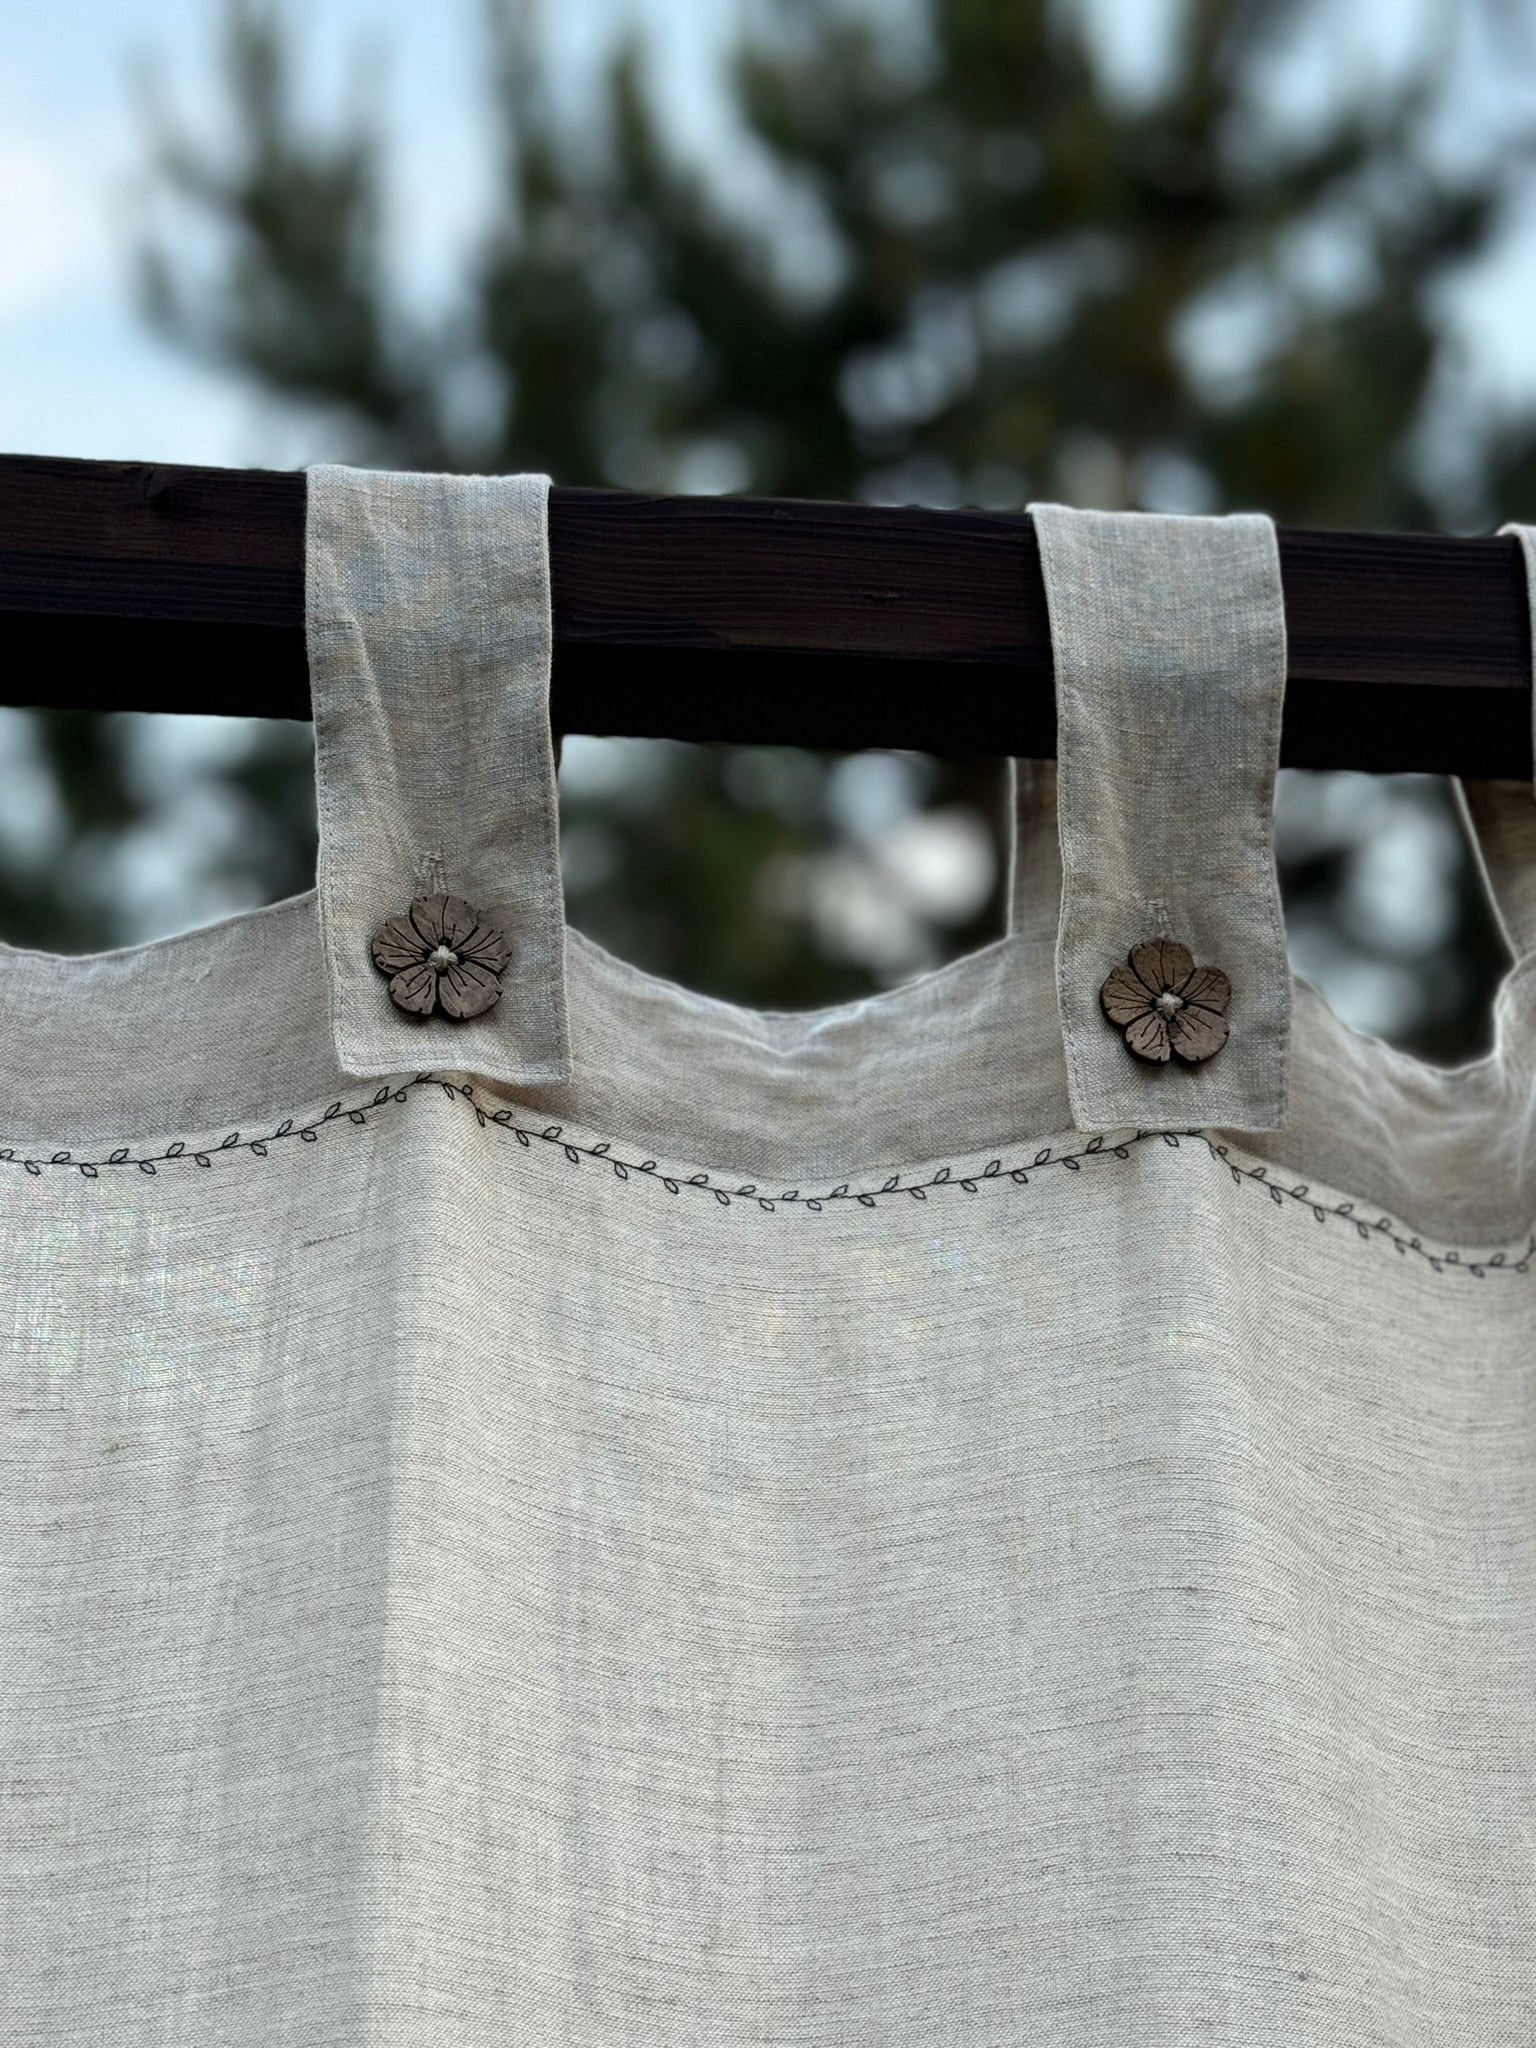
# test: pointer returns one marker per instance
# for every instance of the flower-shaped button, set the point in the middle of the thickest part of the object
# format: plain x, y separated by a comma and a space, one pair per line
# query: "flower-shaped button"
1167, 1004
440, 955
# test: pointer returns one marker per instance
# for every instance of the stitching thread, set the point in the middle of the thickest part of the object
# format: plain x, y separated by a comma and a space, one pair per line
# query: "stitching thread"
893, 1188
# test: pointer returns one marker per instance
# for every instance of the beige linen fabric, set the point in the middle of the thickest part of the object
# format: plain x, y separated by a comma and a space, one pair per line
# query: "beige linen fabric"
1168, 638
413, 725
778, 1538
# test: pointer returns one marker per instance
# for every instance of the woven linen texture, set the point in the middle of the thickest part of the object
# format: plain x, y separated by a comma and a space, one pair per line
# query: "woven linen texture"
472, 1573
1168, 639
429, 631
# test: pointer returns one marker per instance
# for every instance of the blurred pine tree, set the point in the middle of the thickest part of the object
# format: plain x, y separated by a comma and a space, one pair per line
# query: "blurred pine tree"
984, 277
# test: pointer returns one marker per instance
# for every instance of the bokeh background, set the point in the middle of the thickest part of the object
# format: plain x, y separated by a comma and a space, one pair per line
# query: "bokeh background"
1165, 254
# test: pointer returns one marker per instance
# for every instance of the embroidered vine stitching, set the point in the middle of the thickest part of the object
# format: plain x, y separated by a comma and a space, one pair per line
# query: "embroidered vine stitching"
895, 1188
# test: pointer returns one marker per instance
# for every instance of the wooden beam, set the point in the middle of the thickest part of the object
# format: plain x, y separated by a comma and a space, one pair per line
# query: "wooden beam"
136, 586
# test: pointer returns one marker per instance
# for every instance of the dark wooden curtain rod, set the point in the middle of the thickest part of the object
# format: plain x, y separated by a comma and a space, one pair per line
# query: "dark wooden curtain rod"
774, 621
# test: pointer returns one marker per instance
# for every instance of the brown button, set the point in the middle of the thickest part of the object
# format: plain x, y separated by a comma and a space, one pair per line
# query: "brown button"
440, 956
1166, 1004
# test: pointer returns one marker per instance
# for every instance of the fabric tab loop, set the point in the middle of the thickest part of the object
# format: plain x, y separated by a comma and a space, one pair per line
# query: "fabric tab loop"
1168, 635
429, 631
1497, 814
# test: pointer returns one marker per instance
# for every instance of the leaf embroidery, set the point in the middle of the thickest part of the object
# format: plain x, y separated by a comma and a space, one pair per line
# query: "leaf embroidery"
996, 1171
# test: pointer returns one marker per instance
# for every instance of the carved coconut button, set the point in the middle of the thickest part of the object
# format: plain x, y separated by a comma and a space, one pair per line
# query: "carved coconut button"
440, 956
1166, 1004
